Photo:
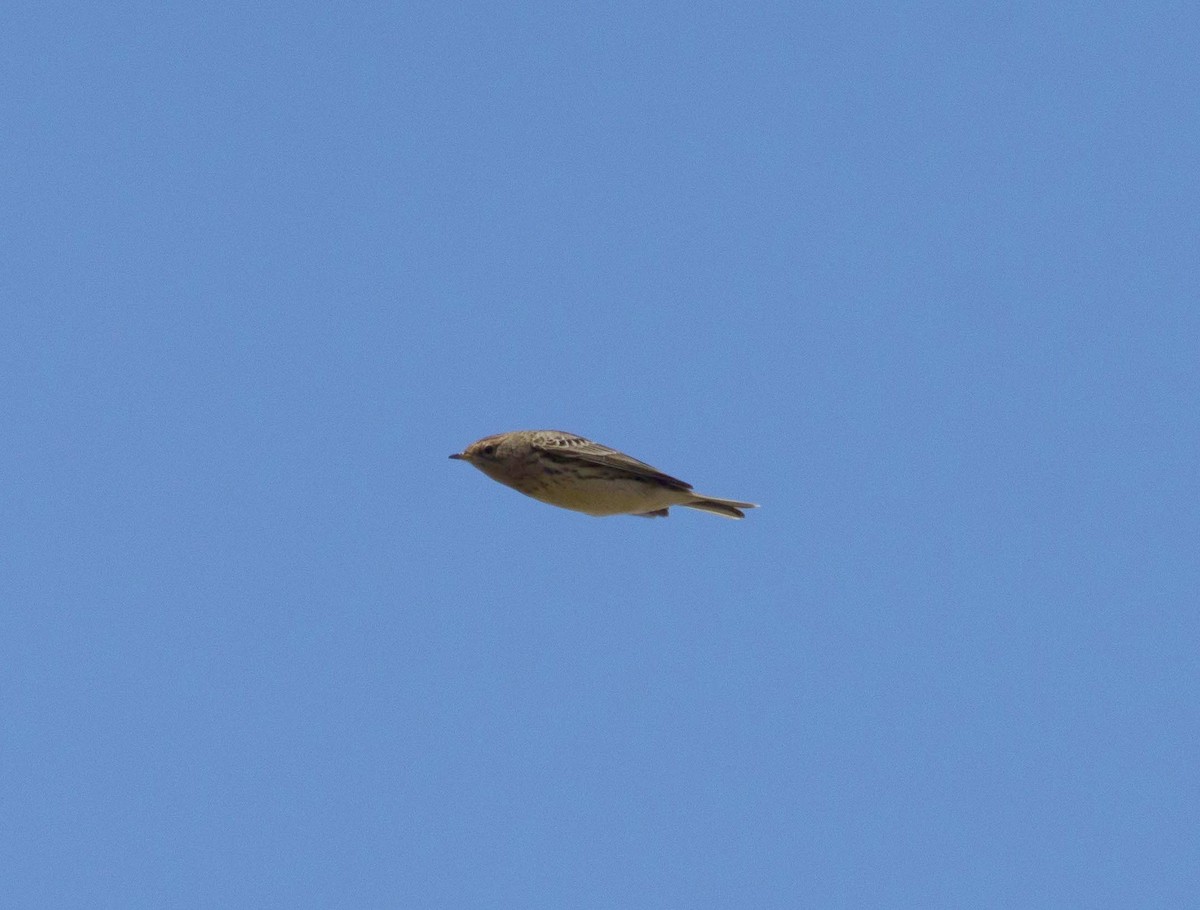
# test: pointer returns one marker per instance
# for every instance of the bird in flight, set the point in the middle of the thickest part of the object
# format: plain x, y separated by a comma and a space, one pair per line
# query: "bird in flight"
571, 472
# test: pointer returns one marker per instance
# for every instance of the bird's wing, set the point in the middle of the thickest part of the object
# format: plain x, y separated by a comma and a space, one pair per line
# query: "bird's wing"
575, 448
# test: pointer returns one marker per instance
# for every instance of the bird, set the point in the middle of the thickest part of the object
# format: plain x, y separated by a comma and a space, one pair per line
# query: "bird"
574, 473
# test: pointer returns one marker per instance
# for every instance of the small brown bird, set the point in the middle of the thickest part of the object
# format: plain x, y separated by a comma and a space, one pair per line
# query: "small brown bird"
575, 473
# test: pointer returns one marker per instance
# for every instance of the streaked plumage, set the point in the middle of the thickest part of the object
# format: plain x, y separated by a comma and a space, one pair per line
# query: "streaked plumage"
571, 472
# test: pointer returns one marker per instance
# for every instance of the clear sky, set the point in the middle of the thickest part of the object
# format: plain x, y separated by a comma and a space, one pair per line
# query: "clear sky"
922, 279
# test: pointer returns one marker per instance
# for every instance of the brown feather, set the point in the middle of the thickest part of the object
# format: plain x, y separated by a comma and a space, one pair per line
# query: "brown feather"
568, 448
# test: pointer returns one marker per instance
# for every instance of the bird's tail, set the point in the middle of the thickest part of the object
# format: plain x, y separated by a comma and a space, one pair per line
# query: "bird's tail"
730, 508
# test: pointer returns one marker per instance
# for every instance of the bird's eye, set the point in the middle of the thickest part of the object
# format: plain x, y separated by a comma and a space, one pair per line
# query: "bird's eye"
489, 450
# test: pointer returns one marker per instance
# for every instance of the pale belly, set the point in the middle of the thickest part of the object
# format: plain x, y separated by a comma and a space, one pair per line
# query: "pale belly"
610, 497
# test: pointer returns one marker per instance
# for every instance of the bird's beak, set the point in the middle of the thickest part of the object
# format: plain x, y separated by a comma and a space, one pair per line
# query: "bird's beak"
460, 456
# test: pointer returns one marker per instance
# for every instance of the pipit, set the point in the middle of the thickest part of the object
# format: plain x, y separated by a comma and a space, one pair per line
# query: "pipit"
575, 473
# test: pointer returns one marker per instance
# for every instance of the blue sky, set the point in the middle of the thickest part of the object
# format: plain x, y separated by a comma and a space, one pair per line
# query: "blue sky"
919, 278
